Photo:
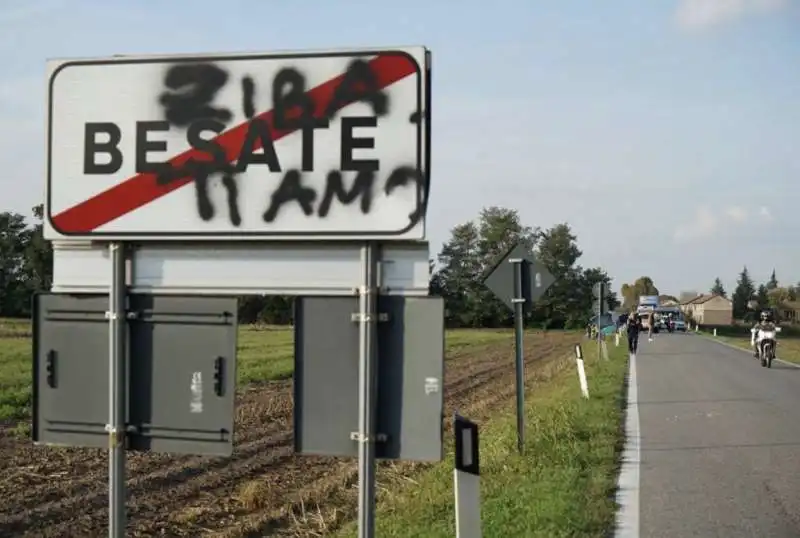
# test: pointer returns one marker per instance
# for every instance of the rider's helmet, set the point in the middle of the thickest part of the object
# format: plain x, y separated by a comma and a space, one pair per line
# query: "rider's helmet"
766, 316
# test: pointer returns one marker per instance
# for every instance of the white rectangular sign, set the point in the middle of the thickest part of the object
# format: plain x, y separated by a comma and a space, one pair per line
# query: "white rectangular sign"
286, 268
309, 145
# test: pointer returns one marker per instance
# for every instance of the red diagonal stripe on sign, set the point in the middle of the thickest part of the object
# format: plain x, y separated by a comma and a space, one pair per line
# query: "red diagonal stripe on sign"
142, 189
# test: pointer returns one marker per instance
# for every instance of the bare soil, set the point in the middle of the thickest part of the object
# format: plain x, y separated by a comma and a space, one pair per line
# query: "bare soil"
263, 489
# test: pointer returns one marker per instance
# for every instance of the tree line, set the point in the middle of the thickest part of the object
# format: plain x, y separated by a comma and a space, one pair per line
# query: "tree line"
457, 272
749, 299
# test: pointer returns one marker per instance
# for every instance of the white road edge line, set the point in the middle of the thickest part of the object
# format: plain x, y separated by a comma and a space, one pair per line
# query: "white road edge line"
627, 524
726, 344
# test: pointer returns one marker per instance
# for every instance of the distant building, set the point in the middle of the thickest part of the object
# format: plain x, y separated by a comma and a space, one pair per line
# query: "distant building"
709, 309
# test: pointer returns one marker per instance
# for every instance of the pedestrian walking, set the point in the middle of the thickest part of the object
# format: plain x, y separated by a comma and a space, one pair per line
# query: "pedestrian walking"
634, 327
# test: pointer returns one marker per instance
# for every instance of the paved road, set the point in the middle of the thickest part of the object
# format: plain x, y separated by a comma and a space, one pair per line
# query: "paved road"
720, 441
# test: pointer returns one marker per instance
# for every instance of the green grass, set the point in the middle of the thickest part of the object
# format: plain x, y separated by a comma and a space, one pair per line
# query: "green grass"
263, 354
563, 486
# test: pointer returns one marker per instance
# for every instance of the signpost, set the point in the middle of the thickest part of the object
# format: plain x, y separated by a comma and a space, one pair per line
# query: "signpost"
519, 280
600, 291
309, 176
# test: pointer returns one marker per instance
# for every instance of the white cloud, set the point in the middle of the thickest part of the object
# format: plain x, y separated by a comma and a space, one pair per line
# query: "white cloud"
706, 224
703, 226
736, 213
699, 14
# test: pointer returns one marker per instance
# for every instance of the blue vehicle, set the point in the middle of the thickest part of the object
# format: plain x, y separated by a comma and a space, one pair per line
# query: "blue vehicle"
607, 325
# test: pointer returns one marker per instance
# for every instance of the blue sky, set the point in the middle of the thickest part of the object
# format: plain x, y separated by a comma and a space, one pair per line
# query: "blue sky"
665, 132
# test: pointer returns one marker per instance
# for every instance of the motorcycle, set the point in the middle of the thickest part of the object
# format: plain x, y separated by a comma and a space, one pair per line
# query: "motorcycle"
670, 326
767, 341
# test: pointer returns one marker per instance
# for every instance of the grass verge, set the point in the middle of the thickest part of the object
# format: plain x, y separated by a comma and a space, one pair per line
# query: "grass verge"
563, 486
788, 347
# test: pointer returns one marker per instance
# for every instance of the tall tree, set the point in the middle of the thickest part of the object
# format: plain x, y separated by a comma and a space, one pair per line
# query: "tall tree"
743, 294
718, 288
630, 293
38, 265
773, 281
14, 241
499, 229
567, 302
460, 267
762, 297
779, 296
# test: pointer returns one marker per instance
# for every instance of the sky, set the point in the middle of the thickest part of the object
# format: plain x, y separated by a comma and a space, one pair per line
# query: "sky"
664, 132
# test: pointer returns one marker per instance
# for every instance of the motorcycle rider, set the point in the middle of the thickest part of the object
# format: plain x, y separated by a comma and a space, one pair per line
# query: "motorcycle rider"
766, 323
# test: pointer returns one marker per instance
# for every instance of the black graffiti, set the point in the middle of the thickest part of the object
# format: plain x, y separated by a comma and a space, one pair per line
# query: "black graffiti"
292, 190
194, 86
188, 104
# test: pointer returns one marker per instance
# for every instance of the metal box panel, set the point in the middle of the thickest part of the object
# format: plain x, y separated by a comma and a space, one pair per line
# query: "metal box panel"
175, 347
179, 345
410, 374
325, 375
70, 370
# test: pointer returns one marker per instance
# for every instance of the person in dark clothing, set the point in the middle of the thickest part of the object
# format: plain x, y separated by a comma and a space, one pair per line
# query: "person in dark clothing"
634, 327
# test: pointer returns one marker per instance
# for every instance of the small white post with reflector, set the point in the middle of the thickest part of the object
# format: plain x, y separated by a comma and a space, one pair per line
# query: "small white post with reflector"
616, 339
715, 331
581, 371
467, 480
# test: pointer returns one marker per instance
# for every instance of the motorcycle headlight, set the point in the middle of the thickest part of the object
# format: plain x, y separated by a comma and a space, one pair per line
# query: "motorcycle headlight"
769, 335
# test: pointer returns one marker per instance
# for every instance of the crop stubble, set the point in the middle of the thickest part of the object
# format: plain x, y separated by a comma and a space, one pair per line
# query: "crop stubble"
262, 489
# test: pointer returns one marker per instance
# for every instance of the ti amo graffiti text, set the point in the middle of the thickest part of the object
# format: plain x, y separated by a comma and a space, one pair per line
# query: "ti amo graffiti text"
187, 101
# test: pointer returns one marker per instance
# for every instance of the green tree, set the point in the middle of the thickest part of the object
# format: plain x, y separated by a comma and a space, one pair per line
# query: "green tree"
499, 229
762, 297
38, 266
745, 289
631, 292
773, 281
779, 296
460, 267
718, 288
15, 236
568, 302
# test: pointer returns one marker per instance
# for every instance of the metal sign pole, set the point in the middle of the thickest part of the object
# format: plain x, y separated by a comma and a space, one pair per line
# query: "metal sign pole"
519, 329
116, 394
367, 380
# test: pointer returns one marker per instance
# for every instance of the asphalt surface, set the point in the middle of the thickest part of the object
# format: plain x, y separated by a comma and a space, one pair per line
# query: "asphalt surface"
720, 441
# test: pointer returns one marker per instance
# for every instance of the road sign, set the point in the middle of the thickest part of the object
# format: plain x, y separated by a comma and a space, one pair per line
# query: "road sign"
330, 144
536, 279
519, 280
410, 393
180, 406
600, 291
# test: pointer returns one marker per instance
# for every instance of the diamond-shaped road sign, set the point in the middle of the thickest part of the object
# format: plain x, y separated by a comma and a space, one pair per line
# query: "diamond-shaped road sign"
600, 290
536, 279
